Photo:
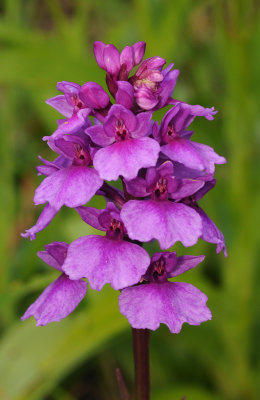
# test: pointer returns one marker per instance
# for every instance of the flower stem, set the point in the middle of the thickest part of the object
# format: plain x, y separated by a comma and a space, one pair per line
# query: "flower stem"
141, 360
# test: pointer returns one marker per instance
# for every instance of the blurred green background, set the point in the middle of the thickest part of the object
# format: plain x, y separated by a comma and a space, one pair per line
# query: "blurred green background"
216, 46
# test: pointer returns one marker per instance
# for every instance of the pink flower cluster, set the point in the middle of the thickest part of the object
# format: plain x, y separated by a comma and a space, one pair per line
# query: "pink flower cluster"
163, 175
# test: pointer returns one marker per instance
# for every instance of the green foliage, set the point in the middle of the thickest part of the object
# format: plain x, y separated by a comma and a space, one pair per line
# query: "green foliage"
216, 46
35, 359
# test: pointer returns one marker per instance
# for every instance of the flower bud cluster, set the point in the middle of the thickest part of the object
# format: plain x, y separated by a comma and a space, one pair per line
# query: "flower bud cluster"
164, 173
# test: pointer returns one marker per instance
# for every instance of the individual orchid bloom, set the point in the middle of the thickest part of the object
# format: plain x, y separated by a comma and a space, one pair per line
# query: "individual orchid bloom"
62, 296
76, 98
70, 181
68, 103
163, 183
116, 64
125, 145
105, 259
72, 107
175, 138
156, 300
72, 186
48, 213
77, 103
174, 221
152, 85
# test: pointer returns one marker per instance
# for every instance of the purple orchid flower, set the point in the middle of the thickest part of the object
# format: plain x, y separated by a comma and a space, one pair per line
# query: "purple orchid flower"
70, 180
72, 107
156, 300
126, 147
77, 103
62, 296
68, 103
105, 259
159, 217
175, 138
49, 212
74, 185
152, 85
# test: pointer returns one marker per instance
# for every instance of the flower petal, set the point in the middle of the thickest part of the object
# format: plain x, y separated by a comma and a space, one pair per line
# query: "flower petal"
145, 98
57, 301
46, 216
167, 87
93, 95
138, 51
186, 188
55, 254
72, 125
99, 136
184, 263
137, 187
165, 221
102, 260
143, 125
193, 155
209, 156
119, 113
127, 58
73, 187
61, 105
125, 94
181, 150
70, 88
111, 59
126, 158
90, 216
99, 53
210, 232
48, 167
93, 217
146, 306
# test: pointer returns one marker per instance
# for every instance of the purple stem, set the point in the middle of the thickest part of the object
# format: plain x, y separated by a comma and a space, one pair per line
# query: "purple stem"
141, 360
